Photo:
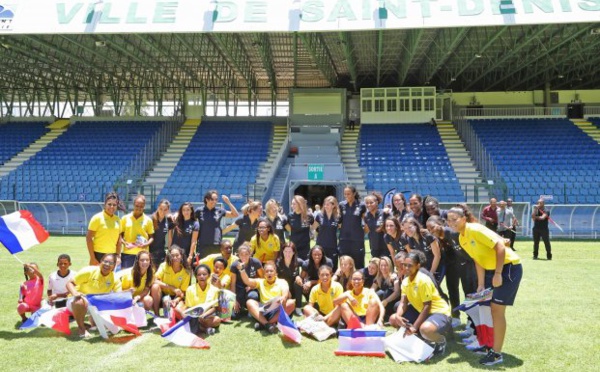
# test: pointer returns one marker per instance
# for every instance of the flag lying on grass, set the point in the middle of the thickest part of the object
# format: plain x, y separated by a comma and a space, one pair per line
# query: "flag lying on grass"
181, 335
316, 328
19, 231
56, 319
361, 342
407, 348
287, 327
115, 311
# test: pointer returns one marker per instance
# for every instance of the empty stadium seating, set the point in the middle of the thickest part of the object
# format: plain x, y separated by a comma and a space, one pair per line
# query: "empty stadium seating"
543, 157
81, 164
409, 157
222, 155
595, 121
16, 136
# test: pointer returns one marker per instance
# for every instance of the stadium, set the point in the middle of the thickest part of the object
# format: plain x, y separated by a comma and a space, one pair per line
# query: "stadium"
460, 100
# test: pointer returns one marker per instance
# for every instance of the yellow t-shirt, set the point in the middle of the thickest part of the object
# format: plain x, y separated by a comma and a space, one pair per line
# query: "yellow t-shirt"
194, 295
210, 259
107, 230
423, 290
179, 280
127, 283
325, 299
479, 241
267, 250
90, 280
225, 280
363, 300
132, 227
268, 291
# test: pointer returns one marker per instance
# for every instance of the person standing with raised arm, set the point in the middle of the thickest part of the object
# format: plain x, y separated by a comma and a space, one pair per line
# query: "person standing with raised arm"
209, 219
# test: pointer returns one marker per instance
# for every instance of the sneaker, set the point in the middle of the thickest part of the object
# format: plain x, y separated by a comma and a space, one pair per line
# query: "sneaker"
258, 326
469, 340
298, 312
455, 322
210, 331
491, 358
439, 349
468, 332
273, 329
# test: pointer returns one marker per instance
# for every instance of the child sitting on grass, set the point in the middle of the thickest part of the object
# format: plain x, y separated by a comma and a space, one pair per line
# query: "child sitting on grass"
57, 282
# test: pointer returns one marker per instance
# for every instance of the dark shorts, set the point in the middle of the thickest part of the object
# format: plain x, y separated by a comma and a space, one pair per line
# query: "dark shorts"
127, 260
98, 256
511, 278
441, 321
158, 257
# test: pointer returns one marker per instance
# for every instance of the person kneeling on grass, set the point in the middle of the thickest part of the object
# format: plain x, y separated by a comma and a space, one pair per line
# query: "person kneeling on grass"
269, 289
325, 298
91, 280
198, 294
140, 279
362, 302
422, 310
172, 280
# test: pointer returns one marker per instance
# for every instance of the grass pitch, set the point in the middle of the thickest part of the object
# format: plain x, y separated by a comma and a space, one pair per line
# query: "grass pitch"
554, 325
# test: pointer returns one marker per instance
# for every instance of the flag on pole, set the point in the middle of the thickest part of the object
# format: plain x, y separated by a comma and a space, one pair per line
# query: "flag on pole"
287, 327
19, 231
181, 335
112, 312
361, 342
56, 319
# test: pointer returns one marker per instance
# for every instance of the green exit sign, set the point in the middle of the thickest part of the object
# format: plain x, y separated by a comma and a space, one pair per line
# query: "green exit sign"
315, 172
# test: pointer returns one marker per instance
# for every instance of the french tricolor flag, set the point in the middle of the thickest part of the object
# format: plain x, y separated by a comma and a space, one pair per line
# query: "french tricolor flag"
181, 335
361, 342
57, 319
115, 311
287, 327
20, 231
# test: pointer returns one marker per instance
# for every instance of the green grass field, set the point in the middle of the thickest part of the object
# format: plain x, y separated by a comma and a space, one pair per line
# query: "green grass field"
555, 325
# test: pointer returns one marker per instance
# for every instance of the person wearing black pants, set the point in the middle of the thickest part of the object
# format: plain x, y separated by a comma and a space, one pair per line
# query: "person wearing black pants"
540, 218
460, 268
352, 235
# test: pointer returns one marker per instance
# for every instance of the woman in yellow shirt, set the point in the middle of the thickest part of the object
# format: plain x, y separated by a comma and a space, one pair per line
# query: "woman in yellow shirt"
325, 298
172, 279
91, 280
270, 288
265, 244
201, 293
496, 266
362, 302
140, 279
428, 314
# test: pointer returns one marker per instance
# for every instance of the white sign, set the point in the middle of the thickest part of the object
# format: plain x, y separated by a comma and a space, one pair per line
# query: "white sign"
164, 16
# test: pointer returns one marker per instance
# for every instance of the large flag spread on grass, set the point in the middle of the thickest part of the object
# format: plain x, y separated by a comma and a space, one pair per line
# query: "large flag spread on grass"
407, 348
361, 342
115, 311
180, 334
57, 319
287, 327
20, 231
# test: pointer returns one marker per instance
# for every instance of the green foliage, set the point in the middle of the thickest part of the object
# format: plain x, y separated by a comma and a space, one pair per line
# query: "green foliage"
554, 326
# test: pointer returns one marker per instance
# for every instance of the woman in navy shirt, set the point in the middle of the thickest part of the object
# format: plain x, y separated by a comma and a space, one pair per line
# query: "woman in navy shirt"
374, 219
298, 223
328, 218
352, 235
160, 219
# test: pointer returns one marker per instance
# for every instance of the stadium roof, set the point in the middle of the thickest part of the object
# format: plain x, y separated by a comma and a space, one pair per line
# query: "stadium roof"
265, 65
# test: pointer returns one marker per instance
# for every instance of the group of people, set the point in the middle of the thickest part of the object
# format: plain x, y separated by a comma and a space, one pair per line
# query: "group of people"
414, 246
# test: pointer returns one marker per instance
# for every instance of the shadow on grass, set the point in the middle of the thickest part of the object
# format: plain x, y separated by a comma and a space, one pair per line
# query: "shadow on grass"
34, 333
464, 355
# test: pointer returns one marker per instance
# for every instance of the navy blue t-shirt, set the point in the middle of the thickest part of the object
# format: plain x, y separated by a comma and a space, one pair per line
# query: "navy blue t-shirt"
398, 245
278, 224
160, 236
351, 219
247, 228
300, 234
328, 228
376, 241
312, 271
184, 240
424, 245
369, 279
210, 225
251, 269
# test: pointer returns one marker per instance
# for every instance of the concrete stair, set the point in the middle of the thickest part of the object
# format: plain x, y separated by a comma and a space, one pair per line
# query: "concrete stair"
280, 177
279, 136
588, 128
348, 149
168, 161
56, 129
461, 161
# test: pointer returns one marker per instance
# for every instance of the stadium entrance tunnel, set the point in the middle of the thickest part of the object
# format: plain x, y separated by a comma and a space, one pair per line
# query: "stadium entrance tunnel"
315, 194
